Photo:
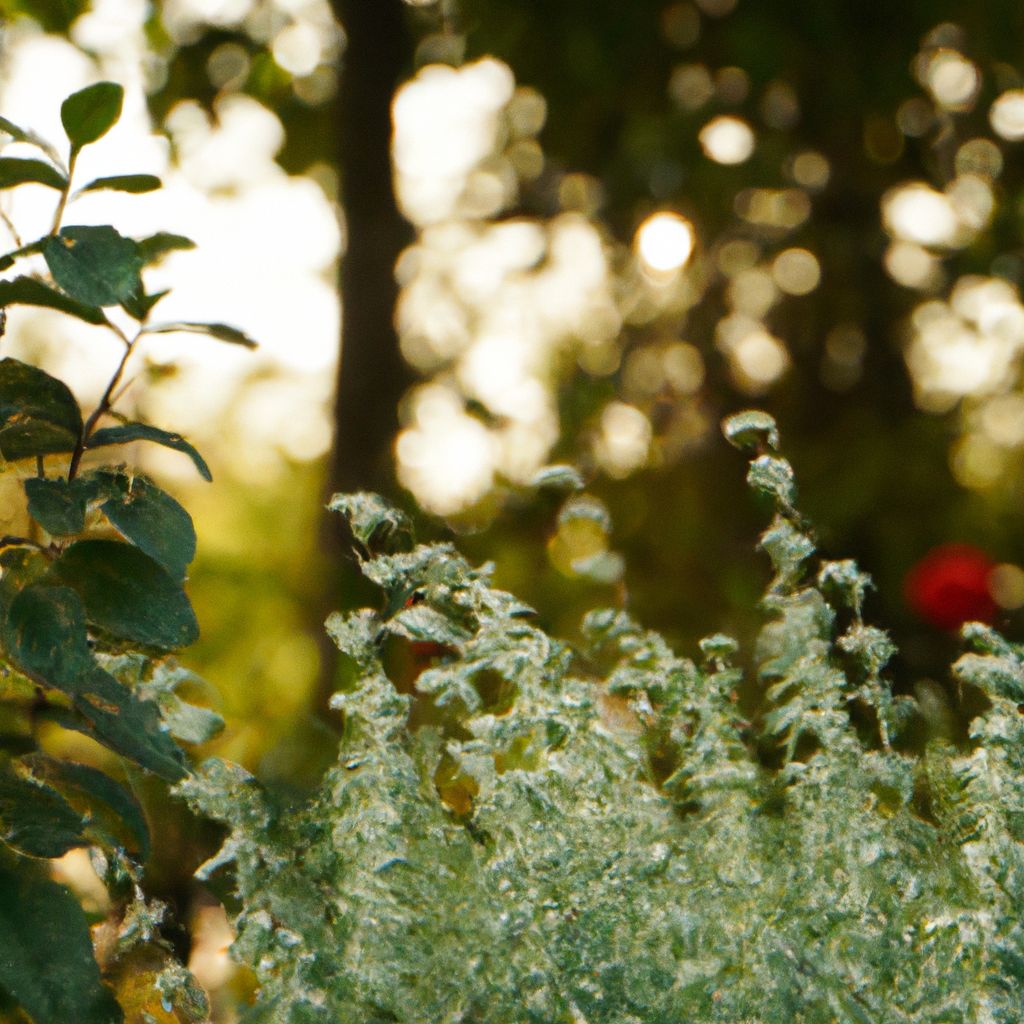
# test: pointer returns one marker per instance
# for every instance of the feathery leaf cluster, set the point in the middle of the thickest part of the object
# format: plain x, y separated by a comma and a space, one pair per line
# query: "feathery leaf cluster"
536, 834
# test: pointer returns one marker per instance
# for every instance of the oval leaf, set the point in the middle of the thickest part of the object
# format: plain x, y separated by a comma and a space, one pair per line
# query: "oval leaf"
95, 265
127, 594
38, 413
18, 171
92, 792
154, 247
90, 113
135, 183
46, 957
151, 519
129, 432
55, 506
45, 636
222, 332
26, 291
36, 820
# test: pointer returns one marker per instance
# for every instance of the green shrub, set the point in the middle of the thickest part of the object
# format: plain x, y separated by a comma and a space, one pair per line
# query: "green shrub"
505, 842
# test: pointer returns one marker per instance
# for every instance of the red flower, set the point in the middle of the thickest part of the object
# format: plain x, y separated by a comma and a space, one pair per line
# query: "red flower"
950, 586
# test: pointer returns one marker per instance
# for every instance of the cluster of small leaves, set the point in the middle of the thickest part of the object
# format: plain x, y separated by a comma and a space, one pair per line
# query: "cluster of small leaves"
523, 833
92, 603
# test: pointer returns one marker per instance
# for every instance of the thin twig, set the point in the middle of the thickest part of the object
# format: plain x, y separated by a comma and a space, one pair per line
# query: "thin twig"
59, 212
9, 224
104, 405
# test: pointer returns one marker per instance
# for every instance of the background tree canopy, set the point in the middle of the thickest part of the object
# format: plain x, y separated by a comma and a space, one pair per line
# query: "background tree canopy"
576, 234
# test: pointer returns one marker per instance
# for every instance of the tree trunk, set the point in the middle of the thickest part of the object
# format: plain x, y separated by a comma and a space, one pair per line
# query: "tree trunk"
372, 376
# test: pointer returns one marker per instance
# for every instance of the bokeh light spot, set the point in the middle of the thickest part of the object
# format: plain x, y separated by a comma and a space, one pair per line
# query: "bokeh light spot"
727, 140
1007, 115
665, 241
796, 271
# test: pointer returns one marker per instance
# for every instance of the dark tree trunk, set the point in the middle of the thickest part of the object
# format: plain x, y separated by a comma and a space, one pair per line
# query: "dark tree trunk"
372, 376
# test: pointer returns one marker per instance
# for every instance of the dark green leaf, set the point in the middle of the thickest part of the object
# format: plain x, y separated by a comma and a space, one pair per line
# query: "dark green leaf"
127, 594
90, 113
45, 636
139, 305
36, 820
151, 519
38, 414
56, 505
86, 787
8, 259
154, 247
46, 958
26, 291
222, 332
135, 183
20, 171
95, 265
131, 727
128, 432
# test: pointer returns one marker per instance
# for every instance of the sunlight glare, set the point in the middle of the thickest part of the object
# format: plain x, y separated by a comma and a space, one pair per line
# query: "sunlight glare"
796, 271
727, 140
624, 441
970, 346
665, 241
1007, 115
446, 458
296, 48
446, 120
952, 79
917, 213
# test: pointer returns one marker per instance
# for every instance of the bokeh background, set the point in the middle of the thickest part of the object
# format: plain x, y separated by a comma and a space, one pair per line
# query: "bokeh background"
475, 239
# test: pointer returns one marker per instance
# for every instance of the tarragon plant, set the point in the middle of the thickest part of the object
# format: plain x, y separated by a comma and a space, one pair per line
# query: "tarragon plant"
536, 834
91, 604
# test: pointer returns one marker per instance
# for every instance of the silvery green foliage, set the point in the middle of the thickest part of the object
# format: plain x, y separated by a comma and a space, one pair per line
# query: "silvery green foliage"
532, 834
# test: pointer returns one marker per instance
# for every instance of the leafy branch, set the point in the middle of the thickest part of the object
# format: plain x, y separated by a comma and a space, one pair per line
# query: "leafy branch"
87, 622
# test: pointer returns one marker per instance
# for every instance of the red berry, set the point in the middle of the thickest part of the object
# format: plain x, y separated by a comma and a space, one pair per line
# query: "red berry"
950, 586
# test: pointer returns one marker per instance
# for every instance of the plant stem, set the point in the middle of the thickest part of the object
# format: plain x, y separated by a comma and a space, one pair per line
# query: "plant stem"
59, 212
9, 224
104, 404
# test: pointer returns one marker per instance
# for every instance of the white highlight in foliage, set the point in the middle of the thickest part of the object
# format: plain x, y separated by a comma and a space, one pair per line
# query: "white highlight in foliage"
917, 213
446, 121
625, 439
727, 140
1007, 115
665, 241
446, 458
953, 79
970, 345
297, 48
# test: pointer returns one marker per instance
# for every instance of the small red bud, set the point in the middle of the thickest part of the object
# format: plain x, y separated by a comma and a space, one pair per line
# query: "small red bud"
950, 586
